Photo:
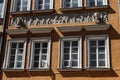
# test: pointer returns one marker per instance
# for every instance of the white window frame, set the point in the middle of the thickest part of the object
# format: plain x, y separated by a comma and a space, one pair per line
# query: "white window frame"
107, 58
41, 40
36, 5
105, 2
7, 55
63, 2
71, 38
14, 6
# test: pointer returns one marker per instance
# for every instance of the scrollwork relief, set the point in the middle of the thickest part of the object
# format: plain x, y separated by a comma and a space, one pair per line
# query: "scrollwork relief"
60, 19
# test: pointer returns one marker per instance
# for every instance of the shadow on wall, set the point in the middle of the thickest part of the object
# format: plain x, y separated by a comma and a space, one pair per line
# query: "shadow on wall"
85, 73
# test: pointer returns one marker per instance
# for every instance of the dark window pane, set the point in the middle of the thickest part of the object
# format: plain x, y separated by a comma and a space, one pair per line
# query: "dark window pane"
66, 50
74, 63
25, 2
92, 63
43, 57
18, 9
74, 43
12, 58
74, 50
101, 63
40, 2
47, 1
24, 8
37, 45
44, 45
1, 1
36, 58
44, 50
13, 52
35, 64
74, 56
92, 56
92, 43
37, 51
93, 50
101, 56
66, 63
75, 4
20, 45
67, 5
66, 44
19, 64
11, 65
100, 2
18, 3
101, 43
13, 45
47, 6
66, 56
67, 0
101, 49
19, 58
40, 7
75, 1
20, 51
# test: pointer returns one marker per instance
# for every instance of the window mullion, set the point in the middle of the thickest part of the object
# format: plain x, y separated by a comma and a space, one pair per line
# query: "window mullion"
40, 54
71, 3
70, 61
43, 4
88, 45
97, 54
15, 62
96, 2
106, 62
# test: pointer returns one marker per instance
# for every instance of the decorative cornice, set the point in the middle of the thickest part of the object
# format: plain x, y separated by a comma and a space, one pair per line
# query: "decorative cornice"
97, 17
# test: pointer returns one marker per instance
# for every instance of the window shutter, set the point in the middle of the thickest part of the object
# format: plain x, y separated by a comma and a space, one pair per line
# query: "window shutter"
79, 3
28, 6
51, 4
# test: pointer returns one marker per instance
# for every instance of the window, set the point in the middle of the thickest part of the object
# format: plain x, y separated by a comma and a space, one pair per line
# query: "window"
1, 8
98, 51
97, 2
70, 53
43, 4
40, 53
20, 5
72, 3
15, 54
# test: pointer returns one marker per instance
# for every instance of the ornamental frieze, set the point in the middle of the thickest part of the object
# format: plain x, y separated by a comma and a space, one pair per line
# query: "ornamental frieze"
60, 19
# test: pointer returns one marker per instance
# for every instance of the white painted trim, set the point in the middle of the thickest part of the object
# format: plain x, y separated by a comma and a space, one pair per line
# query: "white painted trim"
98, 37
71, 38
105, 2
14, 5
6, 63
41, 40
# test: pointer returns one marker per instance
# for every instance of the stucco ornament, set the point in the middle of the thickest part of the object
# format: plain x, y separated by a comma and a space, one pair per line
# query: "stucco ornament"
60, 19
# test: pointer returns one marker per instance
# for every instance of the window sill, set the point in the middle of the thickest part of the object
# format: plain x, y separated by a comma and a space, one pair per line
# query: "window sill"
98, 69
42, 11
12, 70
47, 69
70, 69
96, 7
67, 9
20, 12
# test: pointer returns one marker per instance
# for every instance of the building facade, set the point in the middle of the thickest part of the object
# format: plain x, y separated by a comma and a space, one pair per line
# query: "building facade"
62, 40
